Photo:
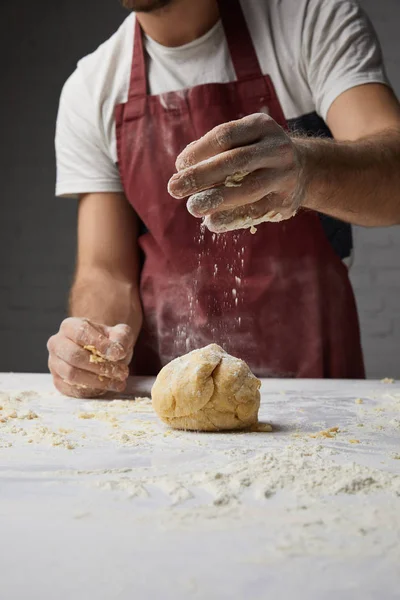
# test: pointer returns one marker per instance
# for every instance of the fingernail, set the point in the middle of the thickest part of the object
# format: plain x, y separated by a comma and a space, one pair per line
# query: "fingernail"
115, 352
205, 202
214, 226
180, 185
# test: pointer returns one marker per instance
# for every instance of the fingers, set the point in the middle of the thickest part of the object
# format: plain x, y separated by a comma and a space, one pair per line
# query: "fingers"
253, 188
76, 377
73, 367
122, 335
74, 391
225, 137
229, 168
84, 333
232, 168
75, 356
251, 215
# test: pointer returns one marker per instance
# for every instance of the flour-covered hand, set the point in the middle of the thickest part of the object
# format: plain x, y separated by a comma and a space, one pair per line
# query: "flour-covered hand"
87, 359
240, 174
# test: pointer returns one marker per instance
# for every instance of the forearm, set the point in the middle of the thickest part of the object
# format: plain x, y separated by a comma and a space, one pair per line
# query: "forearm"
106, 299
357, 182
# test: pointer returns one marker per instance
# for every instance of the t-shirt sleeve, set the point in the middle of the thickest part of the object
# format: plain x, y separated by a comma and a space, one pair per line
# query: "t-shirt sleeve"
340, 50
84, 163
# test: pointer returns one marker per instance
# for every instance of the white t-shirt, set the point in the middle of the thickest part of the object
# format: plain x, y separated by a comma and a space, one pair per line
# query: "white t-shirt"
314, 50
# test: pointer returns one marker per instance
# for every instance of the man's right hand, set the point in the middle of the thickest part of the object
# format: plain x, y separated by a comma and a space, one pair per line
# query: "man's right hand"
88, 360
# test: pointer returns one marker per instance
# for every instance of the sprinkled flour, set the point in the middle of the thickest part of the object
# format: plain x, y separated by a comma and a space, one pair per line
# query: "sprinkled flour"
308, 474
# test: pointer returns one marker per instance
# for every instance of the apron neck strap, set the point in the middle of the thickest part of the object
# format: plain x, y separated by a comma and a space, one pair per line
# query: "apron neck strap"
138, 82
240, 44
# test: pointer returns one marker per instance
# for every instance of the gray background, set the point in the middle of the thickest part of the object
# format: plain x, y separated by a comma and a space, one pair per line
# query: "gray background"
40, 45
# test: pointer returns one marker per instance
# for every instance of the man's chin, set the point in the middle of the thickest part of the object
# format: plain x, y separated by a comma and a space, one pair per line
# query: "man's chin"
146, 6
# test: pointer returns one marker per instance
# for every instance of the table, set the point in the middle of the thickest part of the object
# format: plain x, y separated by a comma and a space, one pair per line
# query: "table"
99, 500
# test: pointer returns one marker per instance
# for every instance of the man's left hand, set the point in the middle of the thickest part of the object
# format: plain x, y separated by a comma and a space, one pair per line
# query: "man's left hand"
240, 174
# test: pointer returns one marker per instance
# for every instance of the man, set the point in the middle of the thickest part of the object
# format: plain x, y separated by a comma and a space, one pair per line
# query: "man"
250, 81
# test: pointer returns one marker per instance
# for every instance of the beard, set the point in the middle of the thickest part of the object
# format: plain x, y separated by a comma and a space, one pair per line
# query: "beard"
146, 6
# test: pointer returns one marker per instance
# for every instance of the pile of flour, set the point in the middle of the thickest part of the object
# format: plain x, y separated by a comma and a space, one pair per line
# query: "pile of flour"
307, 473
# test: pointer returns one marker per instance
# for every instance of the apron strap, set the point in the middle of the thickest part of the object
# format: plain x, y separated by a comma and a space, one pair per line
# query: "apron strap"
138, 81
240, 44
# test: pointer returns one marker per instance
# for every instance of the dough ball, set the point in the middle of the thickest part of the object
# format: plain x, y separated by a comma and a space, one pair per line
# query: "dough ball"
207, 390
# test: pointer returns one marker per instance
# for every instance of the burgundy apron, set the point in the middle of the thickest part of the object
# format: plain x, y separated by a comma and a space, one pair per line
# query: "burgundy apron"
280, 299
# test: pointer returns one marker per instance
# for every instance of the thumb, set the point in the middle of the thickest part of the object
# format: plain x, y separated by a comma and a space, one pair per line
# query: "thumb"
122, 336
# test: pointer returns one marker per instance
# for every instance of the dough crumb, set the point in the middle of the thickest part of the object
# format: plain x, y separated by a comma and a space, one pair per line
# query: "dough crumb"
253, 230
96, 356
262, 428
354, 441
86, 415
235, 180
387, 380
29, 416
327, 433
96, 359
359, 401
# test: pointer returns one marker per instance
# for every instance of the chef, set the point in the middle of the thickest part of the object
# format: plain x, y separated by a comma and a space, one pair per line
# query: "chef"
220, 151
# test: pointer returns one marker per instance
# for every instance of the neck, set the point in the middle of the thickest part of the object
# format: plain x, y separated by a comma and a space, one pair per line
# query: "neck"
181, 22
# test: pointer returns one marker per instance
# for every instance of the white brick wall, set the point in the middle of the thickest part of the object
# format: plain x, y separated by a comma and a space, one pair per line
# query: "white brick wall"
37, 233
376, 271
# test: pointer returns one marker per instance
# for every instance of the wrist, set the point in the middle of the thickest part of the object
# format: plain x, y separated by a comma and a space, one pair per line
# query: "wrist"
317, 181
302, 160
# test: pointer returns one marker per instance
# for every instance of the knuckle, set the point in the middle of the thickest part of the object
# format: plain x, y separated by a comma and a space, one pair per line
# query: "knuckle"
285, 149
84, 328
240, 160
68, 322
262, 122
223, 136
105, 369
237, 161
120, 371
82, 332
51, 343
70, 374
128, 332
